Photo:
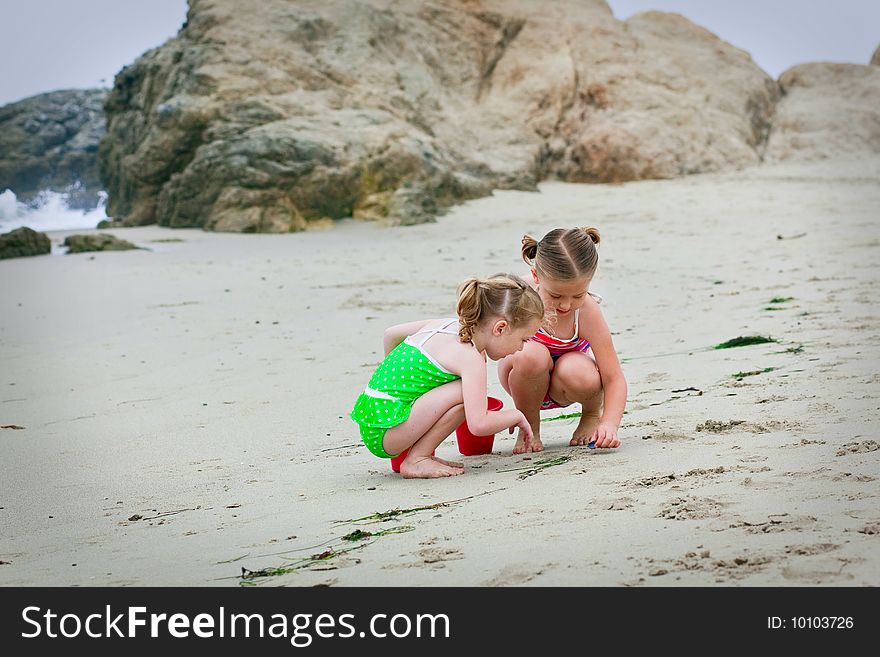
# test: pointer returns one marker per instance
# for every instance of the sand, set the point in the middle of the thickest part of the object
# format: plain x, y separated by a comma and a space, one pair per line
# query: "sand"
184, 409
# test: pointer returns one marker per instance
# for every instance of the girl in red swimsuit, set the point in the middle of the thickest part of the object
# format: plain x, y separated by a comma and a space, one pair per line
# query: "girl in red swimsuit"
572, 357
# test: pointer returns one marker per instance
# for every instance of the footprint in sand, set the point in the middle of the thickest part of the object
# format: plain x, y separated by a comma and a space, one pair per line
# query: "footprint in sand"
515, 574
761, 484
726, 426
782, 522
621, 504
859, 448
824, 571
667, 437
432, 555
802, 443
849, 476
721, 570
809, 550
663, 479
693, 508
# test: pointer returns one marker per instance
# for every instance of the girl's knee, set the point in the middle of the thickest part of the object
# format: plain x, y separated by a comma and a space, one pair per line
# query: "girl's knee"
578, 374
530, 362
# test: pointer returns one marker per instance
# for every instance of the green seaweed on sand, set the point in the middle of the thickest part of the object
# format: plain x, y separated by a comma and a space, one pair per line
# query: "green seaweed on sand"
359, 535
743, 341
778, 300
326, 555
739, 376
385, 516
565, 416
538, 466
560, 417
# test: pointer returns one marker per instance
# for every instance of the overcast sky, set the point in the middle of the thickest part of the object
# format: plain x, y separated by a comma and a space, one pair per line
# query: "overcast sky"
59, 44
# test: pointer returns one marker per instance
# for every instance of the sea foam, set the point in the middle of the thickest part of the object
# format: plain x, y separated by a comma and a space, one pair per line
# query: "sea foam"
49, 211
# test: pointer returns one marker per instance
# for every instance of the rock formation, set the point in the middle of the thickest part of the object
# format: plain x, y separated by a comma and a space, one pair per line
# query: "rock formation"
50, 142
265, 115
828, 111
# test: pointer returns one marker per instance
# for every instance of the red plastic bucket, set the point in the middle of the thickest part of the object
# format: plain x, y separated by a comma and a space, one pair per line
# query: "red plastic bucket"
397, 460
471, 445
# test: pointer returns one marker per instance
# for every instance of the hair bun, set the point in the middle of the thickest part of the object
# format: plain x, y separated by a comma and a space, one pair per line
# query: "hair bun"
592, 233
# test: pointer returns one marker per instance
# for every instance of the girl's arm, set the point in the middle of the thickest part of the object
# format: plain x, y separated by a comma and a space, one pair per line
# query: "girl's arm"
479, 420
394, 335
595, 329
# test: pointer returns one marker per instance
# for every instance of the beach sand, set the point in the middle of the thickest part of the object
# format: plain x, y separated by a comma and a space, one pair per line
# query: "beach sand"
184, 409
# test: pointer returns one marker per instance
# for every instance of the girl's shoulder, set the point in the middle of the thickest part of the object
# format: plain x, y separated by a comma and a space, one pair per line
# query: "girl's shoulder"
455, 355
590, 317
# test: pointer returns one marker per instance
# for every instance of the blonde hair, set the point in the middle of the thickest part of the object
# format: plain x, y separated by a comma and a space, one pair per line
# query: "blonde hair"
563, 253
502, 295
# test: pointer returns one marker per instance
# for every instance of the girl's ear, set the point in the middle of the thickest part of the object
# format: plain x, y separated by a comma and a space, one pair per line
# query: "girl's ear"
535, 276
499, 327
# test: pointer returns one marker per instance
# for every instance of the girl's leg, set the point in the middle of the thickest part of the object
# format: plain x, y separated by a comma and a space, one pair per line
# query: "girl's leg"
434, 416
526, 377
576, 379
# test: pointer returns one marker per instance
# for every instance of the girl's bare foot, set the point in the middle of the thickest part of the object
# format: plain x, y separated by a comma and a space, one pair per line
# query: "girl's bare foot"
583, 434
451, 464
534, 446
425, 467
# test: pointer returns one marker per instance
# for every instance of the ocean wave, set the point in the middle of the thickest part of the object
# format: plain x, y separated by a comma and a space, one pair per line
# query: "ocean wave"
47, 211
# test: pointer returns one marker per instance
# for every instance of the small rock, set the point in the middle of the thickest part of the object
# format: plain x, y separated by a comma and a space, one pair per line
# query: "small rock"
23, 242
96, 242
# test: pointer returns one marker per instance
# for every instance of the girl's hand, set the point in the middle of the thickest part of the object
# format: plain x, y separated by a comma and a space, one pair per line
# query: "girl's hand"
526, 429
605, 435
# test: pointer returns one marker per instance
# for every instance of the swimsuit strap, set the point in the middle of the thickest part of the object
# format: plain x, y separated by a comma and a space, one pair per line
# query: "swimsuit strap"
573, 338
429, 333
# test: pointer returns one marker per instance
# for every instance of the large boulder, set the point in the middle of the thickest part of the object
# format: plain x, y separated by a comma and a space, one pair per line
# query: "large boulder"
22, 242
50, 142
828, 111
265, 115
96, 242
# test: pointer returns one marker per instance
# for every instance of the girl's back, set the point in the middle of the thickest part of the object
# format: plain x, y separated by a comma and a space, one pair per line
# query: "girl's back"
424, 360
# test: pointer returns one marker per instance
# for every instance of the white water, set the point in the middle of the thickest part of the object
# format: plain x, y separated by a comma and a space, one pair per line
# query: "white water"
50, 213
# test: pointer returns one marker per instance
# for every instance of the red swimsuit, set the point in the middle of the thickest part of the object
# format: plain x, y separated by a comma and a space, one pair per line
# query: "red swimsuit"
557, 347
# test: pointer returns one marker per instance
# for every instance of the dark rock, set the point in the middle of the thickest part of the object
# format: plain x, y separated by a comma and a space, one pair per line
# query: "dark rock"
96, 242
110, 223
50, 141
22, 242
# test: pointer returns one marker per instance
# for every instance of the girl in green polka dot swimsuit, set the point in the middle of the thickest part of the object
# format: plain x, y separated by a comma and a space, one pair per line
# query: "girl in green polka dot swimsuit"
434, 375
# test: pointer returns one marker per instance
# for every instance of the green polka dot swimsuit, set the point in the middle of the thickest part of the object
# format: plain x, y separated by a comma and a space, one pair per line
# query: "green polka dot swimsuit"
407, 373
